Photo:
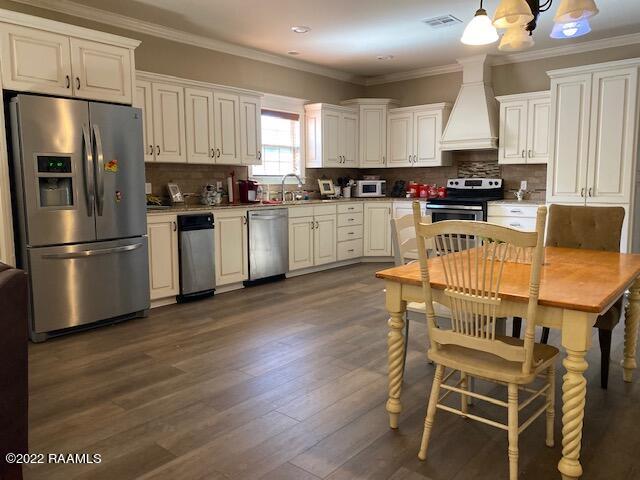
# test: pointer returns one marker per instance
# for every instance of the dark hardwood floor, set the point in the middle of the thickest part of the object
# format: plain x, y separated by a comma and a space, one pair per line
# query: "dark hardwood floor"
286, 381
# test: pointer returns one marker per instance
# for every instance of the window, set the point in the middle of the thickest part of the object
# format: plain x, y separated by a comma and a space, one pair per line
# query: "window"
280, 145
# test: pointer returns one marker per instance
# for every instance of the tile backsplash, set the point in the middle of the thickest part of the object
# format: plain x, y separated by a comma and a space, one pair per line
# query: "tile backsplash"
191, 178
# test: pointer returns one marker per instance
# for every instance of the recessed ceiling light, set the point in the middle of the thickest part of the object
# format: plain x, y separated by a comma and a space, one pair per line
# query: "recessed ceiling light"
300, 29
384, 57
293, 52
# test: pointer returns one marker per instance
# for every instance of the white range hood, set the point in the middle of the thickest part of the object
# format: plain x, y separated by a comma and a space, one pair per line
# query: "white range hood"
473, 123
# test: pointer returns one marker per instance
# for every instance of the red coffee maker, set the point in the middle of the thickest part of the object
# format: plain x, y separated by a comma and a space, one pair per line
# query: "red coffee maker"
248, 190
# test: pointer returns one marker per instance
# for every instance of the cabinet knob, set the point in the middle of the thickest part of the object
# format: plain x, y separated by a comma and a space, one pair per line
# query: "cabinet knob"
68, 81
522, 153
150, 149
259, 155
77, 83
218, 152
590, 191
582, 192
213, 153
157, 149
313, 225
175, 226
530, 153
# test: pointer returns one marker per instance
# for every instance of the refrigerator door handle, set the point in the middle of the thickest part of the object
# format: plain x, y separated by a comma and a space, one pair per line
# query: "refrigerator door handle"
93, 253
88, 173
99, 169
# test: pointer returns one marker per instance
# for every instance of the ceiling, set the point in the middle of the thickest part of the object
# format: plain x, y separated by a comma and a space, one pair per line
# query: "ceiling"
347, 35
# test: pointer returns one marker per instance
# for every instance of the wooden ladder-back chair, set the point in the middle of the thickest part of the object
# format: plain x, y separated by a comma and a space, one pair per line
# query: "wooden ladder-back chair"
471, 257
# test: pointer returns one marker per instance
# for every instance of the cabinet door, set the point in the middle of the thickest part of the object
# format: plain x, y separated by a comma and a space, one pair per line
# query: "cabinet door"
377, 229
611, 136
538, 130
349, 139
143, 99
227, 127
427, 139
373, 136
250, 131
331, 139
325, 239
35, 61
301, 242
168, 123
232, 249
164, 279
400, 139
101, 72
513, 132
199, 126
567, 171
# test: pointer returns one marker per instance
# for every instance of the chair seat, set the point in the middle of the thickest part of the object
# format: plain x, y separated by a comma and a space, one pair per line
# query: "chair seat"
492, 367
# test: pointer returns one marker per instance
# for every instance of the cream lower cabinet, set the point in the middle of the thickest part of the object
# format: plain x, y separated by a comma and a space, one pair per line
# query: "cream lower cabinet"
312, 236
50, 61
377, 229
164, 278
231, 246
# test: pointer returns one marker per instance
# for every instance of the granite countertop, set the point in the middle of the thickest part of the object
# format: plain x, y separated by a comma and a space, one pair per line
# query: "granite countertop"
252, 206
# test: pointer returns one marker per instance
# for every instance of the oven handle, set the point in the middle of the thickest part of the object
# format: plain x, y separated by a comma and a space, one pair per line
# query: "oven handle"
451, 209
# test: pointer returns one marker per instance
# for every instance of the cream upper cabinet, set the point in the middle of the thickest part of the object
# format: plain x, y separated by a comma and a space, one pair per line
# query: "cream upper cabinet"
101, 72
372, 137
227, 128
414, 135
143, 99
332, 136
44, 56
377, 229
301, 253
250, 130
400, 139
164, 280
593, 123
199, 126
324, 239
612, 147
168, 123
524, 128
349, 139
231, 245
35, 61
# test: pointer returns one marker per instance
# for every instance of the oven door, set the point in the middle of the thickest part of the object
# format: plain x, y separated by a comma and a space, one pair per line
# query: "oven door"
459, 212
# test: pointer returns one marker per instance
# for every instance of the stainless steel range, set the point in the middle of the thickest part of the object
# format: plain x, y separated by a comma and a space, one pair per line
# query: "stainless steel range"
466, 199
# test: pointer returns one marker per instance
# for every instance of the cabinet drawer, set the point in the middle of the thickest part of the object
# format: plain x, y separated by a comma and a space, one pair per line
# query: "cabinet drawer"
506, 210
345, 219
297, 212
324, 209
528, 224
350, 233
350, 208
349, 249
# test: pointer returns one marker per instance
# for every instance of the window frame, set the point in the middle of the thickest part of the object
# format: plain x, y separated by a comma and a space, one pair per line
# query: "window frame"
291, 105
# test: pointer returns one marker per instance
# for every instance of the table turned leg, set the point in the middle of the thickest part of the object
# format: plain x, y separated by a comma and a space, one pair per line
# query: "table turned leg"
395, 350
576, 339
574, 390
631, 322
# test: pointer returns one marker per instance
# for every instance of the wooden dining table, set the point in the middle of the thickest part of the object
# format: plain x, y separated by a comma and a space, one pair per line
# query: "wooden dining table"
576, 286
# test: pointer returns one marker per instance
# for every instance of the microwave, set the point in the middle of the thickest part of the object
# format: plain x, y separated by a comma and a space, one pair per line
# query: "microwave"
371, 188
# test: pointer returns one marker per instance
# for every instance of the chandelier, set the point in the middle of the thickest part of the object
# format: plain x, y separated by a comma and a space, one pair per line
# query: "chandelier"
519, 19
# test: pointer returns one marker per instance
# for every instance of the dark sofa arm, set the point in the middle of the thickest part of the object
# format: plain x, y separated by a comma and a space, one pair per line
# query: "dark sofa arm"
13, 369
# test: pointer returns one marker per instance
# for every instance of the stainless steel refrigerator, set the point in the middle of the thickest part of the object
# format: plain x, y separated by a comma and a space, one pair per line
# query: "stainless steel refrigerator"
80, 211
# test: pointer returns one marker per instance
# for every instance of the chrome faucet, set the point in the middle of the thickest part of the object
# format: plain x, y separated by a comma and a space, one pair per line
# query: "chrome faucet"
284, 178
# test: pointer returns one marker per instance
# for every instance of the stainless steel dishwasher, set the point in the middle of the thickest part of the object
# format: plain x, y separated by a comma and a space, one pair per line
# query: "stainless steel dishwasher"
268, 243
196, 247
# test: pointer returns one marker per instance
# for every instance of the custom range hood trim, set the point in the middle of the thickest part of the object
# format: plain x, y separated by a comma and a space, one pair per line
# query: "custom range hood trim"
473, 123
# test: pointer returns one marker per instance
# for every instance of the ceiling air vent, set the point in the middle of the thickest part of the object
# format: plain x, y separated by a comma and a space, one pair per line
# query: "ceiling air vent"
442, 21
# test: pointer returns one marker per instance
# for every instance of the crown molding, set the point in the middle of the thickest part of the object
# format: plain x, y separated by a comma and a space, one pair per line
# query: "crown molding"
72, 8
412, 74
582, 47
588, 46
